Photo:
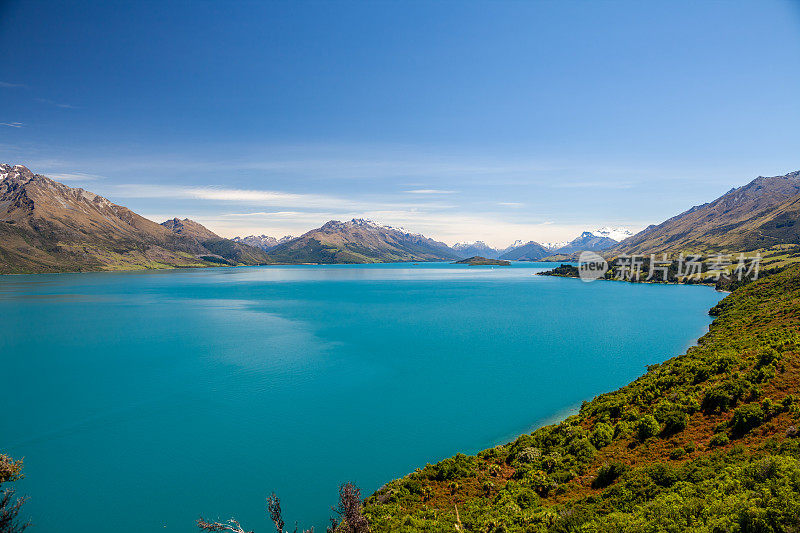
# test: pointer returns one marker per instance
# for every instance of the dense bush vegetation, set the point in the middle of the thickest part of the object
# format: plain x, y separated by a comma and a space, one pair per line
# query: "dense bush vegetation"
703, 442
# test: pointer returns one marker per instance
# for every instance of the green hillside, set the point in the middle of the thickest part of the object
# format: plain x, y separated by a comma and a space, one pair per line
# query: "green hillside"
703, 442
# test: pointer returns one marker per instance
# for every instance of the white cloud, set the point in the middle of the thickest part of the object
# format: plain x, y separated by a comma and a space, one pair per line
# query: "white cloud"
606, 184
263, 197
511, 204
430, 191
57, 104
12, 124
74, 176
8, 85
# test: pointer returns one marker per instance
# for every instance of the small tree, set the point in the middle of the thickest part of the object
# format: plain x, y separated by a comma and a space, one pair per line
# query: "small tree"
10, 471
602, 435
349, 511
647, 427
746, 418
274, 510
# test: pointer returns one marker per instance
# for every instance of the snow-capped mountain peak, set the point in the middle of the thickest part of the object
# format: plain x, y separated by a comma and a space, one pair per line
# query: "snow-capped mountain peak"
555, 245
517, 244
617, 234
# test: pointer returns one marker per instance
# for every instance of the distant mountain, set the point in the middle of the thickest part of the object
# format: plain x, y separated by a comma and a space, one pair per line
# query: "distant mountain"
360, 241
221, 249
189, 228
615, 234
531, 251
477, 248
552, 246
46, 226
265, 242
515, 244
595, 241
763, 213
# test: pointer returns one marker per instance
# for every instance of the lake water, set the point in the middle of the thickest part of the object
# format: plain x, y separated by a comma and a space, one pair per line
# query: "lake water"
141, 400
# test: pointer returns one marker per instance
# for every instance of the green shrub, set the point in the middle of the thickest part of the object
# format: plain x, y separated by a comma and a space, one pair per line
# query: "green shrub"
582, 450
769, 407
602, 435
788, 401
746, 418
662, 474
456, 467
552, 461
727, 394
673, 418
717, 398
529, 455
677, 453
527, 499
647, 427
414, 486
720, 439
607, 474
540, 482
767, 356
622, 429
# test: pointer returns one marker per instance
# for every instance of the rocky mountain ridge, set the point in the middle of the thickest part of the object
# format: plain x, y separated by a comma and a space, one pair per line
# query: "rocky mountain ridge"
46, 226
760, 214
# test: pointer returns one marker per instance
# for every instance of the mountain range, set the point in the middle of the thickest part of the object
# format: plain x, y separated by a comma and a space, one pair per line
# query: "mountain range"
265, 242
597, 240
360, 241
477, 248
46, 226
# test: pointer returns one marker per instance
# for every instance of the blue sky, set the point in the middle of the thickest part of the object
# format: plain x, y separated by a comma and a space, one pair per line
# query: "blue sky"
461, 120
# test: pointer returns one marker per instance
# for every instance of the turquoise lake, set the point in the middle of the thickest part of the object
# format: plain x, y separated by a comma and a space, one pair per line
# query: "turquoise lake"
141, 400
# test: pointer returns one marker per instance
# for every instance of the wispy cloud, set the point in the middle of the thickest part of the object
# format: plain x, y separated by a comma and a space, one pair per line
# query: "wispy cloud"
606, 184
511, 204
12, 124
57, 104
8, 85
75, 176
265, 198
430, 191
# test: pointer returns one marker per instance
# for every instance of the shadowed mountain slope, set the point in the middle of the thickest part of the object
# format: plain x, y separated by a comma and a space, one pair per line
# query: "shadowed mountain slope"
232, 251
532, 251
479, 248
